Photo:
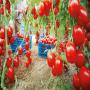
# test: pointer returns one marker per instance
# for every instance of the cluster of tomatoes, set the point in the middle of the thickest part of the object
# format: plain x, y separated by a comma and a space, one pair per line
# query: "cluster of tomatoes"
82, 79
48, 40
2, 38
13, 63
44, 8
55, 63
7, 7
81, 38
28, 52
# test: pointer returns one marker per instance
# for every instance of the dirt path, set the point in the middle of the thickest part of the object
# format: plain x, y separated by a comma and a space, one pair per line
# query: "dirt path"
38, 75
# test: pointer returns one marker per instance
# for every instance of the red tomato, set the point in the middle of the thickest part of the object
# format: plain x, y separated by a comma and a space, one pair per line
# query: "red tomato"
16, 62
2, 42
70, 52
9, 51
27, 45
28, 62
20, 50
88, 36
57, 23
73, 7
47, 4
56, 10
9, 62
78, 35
2, 10
10, 74
60, 51
88, 26
33, 11
28, 54
7, 5
35, 16
2, 33
20, 35
0, 50
80, 61
1, 1
84, 76
10, 31
57, 67
41, 9
83, 16
76, 81
57, 2
27, 38
62, 46
51, 59
12, 39
85, 42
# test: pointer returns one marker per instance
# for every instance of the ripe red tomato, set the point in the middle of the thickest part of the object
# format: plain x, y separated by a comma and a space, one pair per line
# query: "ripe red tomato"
8, 5
33, 11
57, 23
20, 35
76, 81
9, 51
80, 61
57, 67
10, 74
57, 2
28, 62
1, 1
28, 54
27, 45
35, 16
2, 10
2, 33
51, 59
10, 31
62, 46
88, 36
85, 42
20, 50
12, 39
0, 50
83, 16
41, 9
88, 26
16, 62
9, 62
56, 10
78, 35
70, 52
73, 7
84, 77
27, 38
2, 42
47, 4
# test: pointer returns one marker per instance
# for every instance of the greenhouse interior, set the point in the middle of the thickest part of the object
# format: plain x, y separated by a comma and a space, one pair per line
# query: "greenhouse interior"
44, 44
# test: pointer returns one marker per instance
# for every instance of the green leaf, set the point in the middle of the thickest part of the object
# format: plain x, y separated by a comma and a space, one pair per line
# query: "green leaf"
63, 88
67, 87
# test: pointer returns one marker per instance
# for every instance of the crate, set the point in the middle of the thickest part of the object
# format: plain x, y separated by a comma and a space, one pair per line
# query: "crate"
19, 42
43, 49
